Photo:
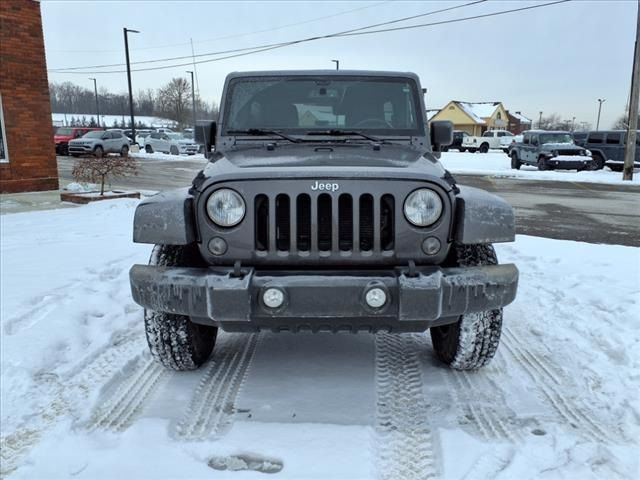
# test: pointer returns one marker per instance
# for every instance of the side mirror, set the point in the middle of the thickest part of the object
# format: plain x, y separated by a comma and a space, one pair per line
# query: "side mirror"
205, 133
104, 136
441, 134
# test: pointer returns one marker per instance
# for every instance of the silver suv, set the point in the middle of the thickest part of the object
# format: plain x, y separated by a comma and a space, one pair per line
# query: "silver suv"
99, 143
169, 142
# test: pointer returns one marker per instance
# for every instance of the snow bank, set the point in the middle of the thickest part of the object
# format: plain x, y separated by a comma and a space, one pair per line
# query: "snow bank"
498, 164
81, 397
166, 156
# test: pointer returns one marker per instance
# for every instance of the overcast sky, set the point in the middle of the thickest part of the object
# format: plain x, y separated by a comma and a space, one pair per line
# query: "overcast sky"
558, 59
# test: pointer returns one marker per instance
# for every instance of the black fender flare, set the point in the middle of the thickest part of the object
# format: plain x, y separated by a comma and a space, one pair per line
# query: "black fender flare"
481, 217
166, 218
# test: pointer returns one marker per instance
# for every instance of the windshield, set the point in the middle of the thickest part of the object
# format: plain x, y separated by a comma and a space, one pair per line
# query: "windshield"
64, 131
555, 138
380, 105
94, 134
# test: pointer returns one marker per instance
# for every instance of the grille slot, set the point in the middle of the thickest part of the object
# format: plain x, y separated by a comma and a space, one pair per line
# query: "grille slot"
283, 222
261, 209
366, 222
324, 224
345, 223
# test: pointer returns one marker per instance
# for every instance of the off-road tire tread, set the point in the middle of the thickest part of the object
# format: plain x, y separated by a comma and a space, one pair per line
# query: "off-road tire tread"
471, 342
174, 340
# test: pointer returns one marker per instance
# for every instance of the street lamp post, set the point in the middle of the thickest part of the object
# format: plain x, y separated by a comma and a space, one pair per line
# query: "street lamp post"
193, 99
600, 102
337, 62
95, 89
573, 122
540, 122
126, 49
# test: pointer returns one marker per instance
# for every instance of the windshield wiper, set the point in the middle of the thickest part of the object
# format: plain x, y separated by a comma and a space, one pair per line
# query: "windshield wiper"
346, 133
262, 131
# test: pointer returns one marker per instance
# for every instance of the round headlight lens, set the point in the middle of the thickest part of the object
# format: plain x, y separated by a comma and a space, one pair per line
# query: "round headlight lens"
423, 207
226, 207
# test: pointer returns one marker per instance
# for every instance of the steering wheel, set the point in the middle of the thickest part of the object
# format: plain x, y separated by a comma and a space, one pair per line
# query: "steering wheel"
372, 123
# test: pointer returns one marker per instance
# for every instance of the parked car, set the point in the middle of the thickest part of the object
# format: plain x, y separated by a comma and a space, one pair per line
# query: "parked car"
173, 143
550, 150
579, 138
63, 135
490, 140
607, 148
458, 137
141, 135
100, 143
293, 228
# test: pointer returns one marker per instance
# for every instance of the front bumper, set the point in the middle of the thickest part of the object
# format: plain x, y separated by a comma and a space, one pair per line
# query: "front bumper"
576, 162
319, 300
80, 148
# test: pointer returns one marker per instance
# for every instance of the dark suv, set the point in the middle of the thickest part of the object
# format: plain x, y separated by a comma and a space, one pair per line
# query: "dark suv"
607, 148
458, 136
323, 208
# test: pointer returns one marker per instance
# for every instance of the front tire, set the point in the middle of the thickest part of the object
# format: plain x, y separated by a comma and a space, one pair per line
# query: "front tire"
98, 152
515, 162
173, 150
174, 340
484, 148
542, 164
598, 161
124, 152
472, 341
148, 149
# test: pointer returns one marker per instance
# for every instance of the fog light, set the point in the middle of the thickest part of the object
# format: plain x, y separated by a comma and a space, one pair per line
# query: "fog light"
376, 297
431, 245
273, 297
217, 246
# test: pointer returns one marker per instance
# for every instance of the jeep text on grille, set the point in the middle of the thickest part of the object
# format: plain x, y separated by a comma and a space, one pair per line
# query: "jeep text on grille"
323, 207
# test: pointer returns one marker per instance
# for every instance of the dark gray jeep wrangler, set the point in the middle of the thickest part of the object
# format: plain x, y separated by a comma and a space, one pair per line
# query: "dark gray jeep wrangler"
323, 207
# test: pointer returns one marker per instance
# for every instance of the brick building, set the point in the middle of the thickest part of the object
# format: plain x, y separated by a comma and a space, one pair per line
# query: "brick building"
27, 158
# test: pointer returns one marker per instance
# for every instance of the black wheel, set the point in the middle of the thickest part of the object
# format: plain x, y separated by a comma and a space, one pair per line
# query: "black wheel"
174, 340
462, 150
484, 148
148, 149
173, 150
124, 152
472, 341
542, 164
76, 155
616, 168
98, 152
473, 150
598, 161
515, 163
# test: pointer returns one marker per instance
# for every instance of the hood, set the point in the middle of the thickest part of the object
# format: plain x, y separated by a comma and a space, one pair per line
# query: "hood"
561, 146
62, 138
325, 161
83, 140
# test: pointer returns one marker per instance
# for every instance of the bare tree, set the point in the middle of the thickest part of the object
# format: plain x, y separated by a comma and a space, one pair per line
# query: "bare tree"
97, 169
175, 99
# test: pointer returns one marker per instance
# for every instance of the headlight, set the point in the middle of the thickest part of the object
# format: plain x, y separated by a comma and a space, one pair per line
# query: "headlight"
226, 207
587, 152
423, 207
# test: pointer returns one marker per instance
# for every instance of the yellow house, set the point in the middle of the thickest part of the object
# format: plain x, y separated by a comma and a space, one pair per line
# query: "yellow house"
474, 118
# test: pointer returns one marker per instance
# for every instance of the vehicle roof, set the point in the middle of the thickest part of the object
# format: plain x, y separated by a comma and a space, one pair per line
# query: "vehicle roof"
609, 131
546, 131
331, 73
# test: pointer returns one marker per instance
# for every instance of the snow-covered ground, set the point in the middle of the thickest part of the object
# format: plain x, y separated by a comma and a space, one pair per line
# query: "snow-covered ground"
498, 164
82, 399
166, 156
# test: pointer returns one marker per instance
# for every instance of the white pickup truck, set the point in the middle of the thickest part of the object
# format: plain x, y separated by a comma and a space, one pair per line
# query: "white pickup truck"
491, 139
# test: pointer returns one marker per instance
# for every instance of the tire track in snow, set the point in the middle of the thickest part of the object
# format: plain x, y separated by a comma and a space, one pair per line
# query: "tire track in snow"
212, 407
403, 435
551, 387
67, 393
129, 399
482, 413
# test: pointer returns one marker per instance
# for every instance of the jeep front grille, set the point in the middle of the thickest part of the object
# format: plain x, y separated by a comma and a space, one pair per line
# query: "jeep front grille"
324, 223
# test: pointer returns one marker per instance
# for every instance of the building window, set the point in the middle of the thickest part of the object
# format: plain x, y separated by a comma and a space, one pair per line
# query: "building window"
499, 116
4, 154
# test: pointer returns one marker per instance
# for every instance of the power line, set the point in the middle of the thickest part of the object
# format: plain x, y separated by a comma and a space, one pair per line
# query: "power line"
236, 35
347, 33
222, 52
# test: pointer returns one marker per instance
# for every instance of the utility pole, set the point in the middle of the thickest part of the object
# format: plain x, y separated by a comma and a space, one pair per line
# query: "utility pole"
95, 89
600, 102
540, 122
126, 49
193, 98
632, 128
337, 62
573, 122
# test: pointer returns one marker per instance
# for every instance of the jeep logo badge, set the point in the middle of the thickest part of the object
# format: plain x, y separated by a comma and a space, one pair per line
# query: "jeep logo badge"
329, 187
